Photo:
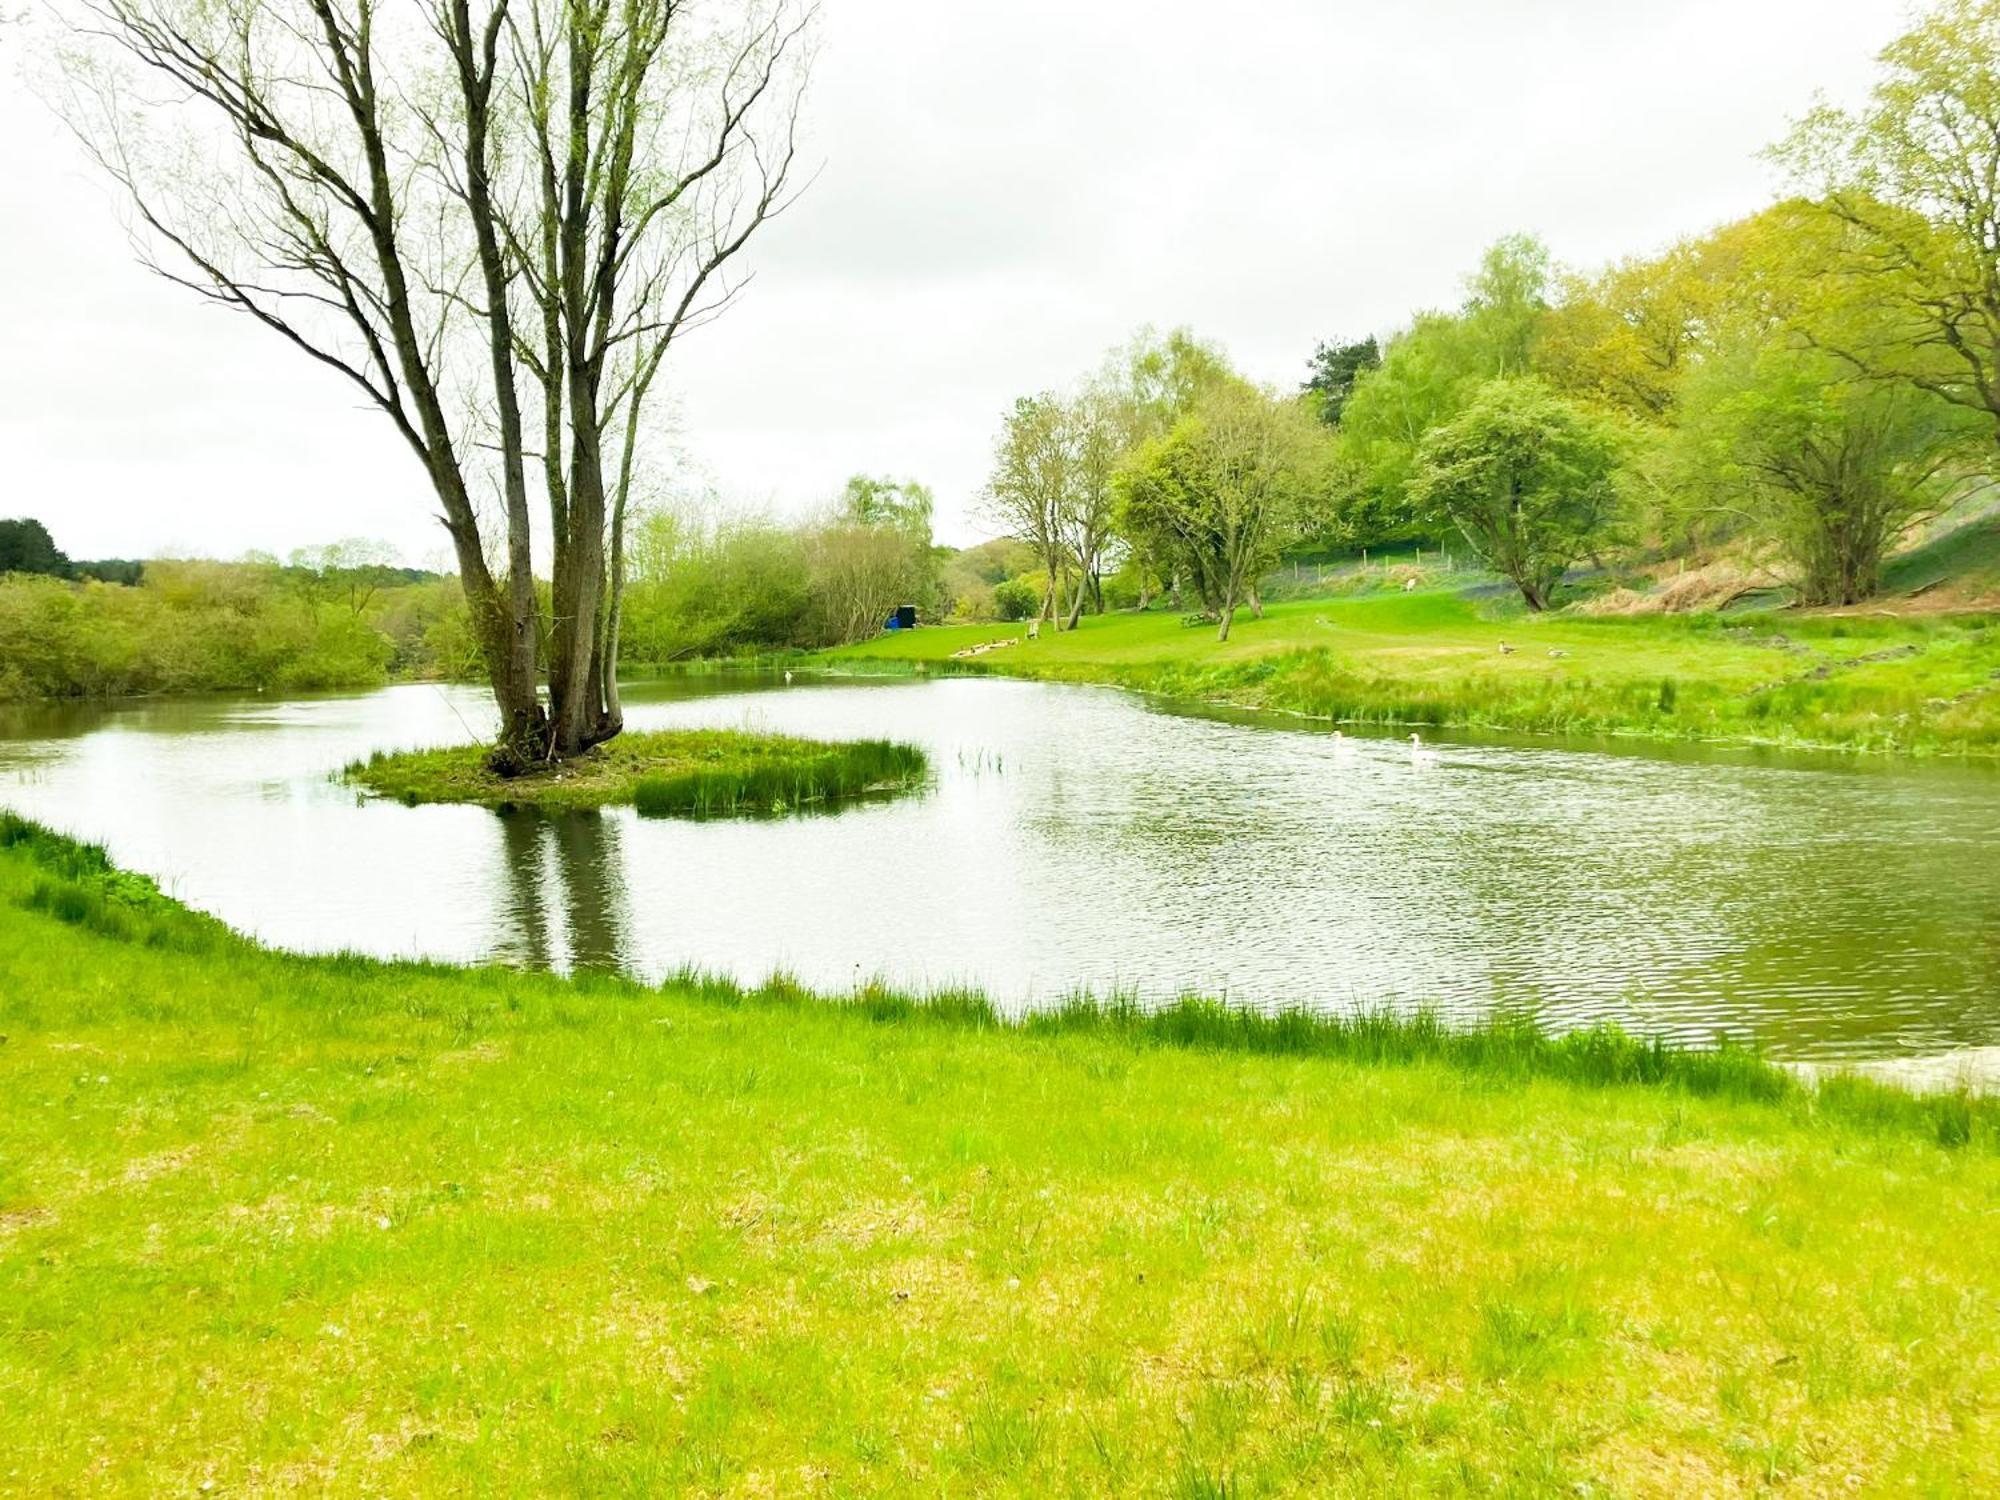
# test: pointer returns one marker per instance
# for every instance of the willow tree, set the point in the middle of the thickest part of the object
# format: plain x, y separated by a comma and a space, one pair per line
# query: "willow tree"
492, 217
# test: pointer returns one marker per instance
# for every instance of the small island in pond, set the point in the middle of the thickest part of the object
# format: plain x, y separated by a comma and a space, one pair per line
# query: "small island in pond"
675, 772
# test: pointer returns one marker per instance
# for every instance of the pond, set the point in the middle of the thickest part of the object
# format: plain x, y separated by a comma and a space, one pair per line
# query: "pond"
1085, 838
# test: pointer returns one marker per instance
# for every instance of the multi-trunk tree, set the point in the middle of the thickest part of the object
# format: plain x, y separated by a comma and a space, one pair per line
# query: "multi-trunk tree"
1219, 494
492, 217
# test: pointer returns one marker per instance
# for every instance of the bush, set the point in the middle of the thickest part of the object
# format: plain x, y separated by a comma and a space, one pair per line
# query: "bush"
188, 627
1017, 598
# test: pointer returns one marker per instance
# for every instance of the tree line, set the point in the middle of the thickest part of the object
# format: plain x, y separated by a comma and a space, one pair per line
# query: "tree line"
1802, 387
252, 625
495, 218
347, 615
27, 547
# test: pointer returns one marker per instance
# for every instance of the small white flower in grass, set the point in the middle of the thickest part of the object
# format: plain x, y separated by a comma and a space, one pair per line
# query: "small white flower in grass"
104, 1078
381, 1221
334, 1331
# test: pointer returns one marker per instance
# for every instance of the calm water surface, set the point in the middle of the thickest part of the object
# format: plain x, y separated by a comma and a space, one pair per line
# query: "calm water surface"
1079, 837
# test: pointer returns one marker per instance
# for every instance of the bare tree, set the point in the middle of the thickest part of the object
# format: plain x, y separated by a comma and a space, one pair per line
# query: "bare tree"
468, 208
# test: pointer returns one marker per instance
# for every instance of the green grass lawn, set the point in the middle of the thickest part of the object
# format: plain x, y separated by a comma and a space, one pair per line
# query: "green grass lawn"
1859, 680
279, 1224
679, 771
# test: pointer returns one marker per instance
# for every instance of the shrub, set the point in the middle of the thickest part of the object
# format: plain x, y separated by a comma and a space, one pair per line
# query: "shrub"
1017, 598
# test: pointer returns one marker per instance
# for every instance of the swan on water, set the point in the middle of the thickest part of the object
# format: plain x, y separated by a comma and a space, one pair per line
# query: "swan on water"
1420, 755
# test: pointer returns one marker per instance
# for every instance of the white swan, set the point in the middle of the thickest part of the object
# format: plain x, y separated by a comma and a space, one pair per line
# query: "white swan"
1343, 748
788, 674
1419, 754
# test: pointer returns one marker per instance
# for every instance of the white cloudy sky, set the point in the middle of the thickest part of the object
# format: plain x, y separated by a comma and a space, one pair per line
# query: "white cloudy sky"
1009, 187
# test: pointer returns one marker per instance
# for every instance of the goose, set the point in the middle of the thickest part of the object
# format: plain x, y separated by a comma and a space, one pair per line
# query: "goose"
1505, 649
1557, 651
1419, 754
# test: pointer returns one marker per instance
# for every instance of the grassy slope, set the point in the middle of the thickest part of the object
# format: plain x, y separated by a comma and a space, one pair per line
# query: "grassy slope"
346, 1227
1962, 561
682, 770
1434, 658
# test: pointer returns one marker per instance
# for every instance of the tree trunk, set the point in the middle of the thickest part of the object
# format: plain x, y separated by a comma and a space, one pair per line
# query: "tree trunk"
522, 724
579, 570
1228, 616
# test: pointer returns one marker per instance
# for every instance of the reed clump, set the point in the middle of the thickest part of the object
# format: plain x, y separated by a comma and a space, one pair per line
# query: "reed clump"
855, 769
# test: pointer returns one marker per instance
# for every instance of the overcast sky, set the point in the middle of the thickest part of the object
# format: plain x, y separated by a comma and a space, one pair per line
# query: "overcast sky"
1007, 190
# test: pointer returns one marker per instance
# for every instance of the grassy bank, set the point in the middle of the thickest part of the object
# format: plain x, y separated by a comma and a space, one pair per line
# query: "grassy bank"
1923, 684
276, 1223
672, 772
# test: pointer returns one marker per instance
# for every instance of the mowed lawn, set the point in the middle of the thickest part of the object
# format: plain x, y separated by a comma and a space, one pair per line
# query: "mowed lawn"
278, 1225
1863, 679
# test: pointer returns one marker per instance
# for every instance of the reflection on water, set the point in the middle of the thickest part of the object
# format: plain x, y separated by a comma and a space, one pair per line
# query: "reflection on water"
566, 892
1078, 837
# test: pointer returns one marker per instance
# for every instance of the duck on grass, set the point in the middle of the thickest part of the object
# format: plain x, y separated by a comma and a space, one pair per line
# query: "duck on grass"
669, 773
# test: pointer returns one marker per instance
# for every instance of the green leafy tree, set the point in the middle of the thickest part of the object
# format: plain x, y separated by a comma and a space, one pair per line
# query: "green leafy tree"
1156, 380
1333, 370
1914, 178
1525, 477
27, 547
1222, 491
1162, 376
1426, 376
1033, 464
900, 503
1626, 338
1826, 466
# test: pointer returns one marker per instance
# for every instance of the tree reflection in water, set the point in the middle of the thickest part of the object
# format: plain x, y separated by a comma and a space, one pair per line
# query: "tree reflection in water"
568, 906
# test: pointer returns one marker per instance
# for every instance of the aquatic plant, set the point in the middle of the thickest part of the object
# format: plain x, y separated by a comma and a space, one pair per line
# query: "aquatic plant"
851, 769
